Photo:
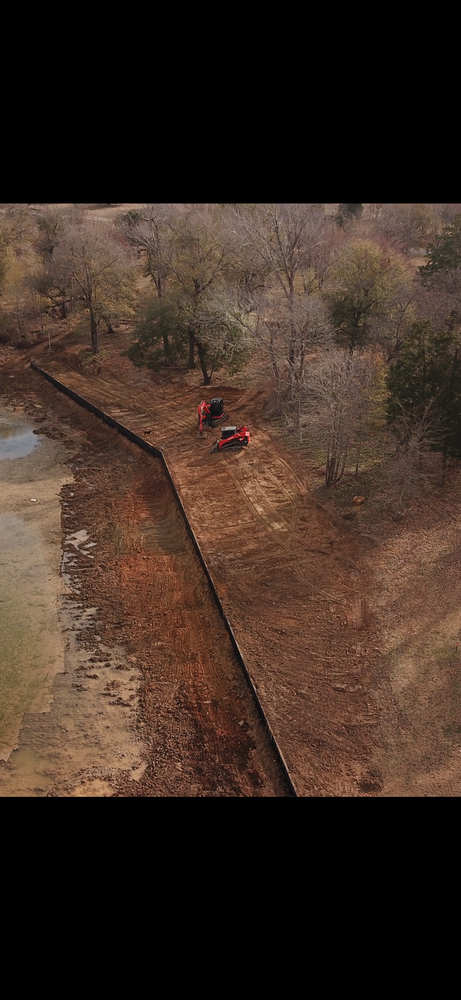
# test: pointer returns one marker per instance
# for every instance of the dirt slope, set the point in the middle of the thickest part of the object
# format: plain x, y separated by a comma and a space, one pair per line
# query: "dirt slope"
287, 576
349, 628
145, 609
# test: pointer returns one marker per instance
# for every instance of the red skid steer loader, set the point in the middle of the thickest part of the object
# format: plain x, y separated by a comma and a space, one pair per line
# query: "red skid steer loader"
232, 437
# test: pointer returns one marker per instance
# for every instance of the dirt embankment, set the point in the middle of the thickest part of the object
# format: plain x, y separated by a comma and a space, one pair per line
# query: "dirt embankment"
347, 628
287, 577
150, 699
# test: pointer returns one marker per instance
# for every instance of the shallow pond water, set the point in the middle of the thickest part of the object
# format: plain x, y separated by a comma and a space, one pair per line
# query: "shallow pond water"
17, 438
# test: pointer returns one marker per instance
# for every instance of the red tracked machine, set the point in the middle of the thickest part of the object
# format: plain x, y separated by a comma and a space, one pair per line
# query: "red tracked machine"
232, 437
209, 415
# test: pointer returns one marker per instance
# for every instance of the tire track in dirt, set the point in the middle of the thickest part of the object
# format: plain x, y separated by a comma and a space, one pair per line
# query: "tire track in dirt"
204, 734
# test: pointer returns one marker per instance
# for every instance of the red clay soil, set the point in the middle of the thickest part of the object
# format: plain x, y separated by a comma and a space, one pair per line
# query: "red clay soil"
286, 571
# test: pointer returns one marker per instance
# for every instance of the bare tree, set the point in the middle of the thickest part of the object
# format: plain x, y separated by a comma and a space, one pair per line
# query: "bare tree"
199, 256
277, 235
16, 227
270, 326
293, 245
405, 473
101, 269
407, 227
47, 280
148, 231
336, 390
439, 300
290, 240
447, 212
373, 210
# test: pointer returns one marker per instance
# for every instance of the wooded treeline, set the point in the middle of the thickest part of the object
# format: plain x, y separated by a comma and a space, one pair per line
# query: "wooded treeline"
352, 311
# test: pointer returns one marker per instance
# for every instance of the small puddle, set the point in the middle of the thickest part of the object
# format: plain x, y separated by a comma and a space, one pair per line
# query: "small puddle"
17, 438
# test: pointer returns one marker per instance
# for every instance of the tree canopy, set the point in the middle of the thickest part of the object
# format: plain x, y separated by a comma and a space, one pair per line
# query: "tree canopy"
364, 288
209, 285
445, 253
425, 382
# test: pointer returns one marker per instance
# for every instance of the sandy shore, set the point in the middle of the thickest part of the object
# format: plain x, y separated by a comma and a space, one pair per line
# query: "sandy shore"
48, 739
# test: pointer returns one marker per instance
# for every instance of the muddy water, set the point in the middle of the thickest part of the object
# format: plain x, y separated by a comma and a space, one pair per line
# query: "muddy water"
47, 737
17, 438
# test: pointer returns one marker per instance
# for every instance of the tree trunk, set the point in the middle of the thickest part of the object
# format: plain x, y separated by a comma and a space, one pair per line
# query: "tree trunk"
337, 452
277, 379
444, 469
191, 361
202, 359
359, 452
18, 316
292, 347
362, 422
94, 332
